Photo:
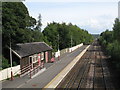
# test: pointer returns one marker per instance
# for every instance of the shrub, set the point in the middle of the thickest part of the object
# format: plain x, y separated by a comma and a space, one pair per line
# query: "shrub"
5, 63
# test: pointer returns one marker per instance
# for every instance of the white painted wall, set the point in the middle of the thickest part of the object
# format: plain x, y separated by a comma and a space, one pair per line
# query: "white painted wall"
58, 53
64, 51
6, 73
75, 47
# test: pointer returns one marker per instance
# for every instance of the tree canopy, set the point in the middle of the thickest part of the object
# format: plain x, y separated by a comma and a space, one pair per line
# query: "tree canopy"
66, 33
19, 27
110, 40
16, 23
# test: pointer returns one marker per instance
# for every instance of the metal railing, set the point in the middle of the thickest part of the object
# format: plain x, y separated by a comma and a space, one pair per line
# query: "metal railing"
25, 69
36, 69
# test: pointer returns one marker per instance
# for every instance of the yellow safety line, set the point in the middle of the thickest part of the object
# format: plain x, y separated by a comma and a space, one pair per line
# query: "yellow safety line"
54, 79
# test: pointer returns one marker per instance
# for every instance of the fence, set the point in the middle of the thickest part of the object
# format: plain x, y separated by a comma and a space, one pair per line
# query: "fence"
64, 51
58, 53
6, 73
75, 47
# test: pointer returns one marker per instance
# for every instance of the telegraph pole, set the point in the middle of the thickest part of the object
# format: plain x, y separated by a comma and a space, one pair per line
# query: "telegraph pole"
11, 59
71, 44
58, 41
71, 40
58, 48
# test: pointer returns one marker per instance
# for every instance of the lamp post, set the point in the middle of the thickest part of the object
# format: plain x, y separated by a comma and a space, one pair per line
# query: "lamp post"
11, 60
58, 41
58, 48
71, 41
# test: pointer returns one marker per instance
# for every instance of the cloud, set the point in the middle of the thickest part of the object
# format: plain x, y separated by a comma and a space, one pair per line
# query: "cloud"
98, 24
93, 25
94, 17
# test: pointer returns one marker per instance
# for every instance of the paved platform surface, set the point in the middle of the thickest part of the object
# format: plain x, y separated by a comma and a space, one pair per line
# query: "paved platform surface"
60, 77
45, 77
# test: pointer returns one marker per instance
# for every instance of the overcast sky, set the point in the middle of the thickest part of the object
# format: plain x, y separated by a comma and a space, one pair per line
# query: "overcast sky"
93, 15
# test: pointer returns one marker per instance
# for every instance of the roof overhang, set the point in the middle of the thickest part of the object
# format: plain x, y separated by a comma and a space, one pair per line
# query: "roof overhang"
16, 54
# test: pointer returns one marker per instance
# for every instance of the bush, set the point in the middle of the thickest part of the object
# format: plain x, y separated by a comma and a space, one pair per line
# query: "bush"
116, 50
110, 40
5, 63
113, 49
109, 48
14, 63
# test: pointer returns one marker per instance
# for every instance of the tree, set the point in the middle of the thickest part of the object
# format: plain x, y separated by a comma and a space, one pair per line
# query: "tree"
65, 33
116, 29
110, 40
16, 23
5, 63
39, 24
18, 26
50, 32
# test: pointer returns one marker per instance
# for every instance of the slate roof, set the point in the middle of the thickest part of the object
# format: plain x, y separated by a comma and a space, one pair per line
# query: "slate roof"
27, 49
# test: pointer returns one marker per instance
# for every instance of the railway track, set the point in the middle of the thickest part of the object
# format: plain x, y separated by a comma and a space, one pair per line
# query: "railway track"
90, 72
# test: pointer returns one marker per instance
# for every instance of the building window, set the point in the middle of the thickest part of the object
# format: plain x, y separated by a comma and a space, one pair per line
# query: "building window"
35, 58
42, 55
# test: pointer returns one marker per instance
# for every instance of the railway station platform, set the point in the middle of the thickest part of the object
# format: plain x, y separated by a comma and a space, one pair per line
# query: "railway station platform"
52, 70
90, 72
